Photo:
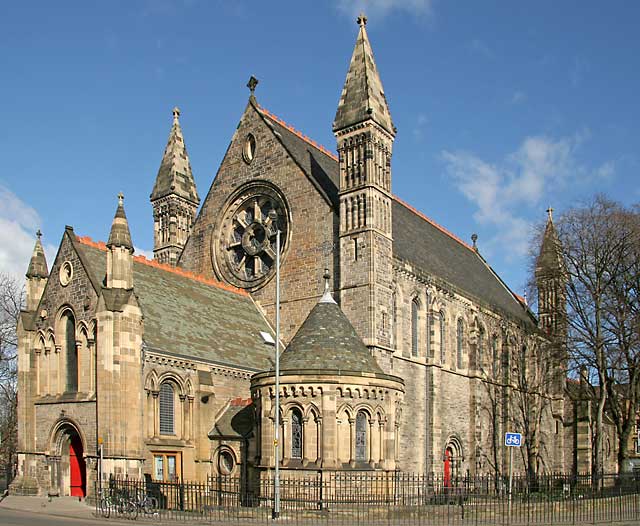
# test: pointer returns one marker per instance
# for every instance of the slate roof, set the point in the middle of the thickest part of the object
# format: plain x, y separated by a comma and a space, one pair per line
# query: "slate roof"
174, 175
362, 96
189, 317
235, 421
327, 341
417, 239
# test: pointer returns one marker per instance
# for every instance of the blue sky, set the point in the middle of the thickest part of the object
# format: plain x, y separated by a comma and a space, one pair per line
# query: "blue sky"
502, 108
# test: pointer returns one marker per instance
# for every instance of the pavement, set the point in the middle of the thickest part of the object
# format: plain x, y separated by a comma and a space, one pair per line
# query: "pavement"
69, 507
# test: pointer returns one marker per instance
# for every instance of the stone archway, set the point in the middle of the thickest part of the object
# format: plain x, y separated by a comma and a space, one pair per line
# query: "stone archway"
69, 473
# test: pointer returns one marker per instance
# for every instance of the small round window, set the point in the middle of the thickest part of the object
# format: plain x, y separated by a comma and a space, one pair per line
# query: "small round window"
66, 273
249, 148
226, 462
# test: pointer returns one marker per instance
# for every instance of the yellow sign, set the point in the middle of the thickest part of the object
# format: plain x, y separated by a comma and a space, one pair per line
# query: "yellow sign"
275, 443
100, 440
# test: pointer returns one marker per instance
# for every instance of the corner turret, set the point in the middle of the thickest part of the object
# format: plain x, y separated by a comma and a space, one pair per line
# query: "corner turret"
37, 275
120, 251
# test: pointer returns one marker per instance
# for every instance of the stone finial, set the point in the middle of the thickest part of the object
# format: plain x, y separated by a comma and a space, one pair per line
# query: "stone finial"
38, 234
38, 263
526, 300
252, 84
550, 213
176, 113
120, 199
362, 20
326, 296
474, 239
120, 235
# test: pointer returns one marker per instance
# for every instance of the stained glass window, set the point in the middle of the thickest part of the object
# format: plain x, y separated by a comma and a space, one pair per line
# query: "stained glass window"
361, 436
296, 434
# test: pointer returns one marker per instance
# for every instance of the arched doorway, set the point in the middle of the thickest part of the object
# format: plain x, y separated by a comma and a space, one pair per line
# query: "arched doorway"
448, 460
68, 465
77, 468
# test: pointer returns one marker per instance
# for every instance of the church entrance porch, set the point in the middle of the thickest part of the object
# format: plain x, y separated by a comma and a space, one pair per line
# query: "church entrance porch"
68, 466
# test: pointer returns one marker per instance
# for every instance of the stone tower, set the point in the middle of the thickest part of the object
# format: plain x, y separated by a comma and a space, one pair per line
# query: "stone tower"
174, 198
551, 283
364, 132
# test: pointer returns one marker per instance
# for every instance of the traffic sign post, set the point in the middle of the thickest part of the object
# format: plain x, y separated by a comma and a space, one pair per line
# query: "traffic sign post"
512, 441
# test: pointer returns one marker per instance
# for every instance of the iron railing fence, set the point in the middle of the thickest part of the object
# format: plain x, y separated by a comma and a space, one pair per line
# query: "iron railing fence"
368, 498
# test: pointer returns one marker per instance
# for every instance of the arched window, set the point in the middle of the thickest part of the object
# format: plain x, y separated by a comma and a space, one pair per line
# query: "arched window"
443, 341
167, 409
296, 434
414, 327
71, 351
494, 355
460, 337
480, 353
394, 320
361, 436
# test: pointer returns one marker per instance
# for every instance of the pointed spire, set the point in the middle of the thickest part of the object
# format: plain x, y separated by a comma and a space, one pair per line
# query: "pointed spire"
327, 297
362, 95
549, 258
120, 236
174, 175
38, 264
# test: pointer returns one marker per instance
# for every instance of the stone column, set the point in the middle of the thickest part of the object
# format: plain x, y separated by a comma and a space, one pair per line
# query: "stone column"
183, 433
155, 413
370, 442
58, 371
305, 441
381, 430
91, 347
190, 399
38, 373
352, 442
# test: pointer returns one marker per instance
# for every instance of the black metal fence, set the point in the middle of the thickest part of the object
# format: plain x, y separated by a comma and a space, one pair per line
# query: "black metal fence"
379, 498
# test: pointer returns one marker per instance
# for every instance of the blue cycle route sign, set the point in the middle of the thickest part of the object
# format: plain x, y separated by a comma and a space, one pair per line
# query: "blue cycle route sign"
513, 439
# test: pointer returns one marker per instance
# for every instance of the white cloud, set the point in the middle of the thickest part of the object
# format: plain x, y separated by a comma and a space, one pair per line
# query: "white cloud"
18, 225
137, 251
505, 191
380, 8
482, 48
518, 97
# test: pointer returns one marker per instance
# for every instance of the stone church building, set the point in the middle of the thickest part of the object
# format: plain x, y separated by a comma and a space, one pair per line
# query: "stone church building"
406, 353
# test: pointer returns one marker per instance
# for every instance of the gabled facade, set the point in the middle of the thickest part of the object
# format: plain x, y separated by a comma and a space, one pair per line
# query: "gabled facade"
412, 358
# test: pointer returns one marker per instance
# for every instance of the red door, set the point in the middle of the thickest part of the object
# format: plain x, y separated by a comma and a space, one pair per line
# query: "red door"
447, 468
77, 468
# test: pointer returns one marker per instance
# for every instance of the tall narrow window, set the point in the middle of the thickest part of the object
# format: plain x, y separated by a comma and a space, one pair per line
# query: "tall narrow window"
459, 343
443, 340
414, 327
480, 353
296, 434
72, 353
394, 320
361, 436
166, 409
429, 334
494, 356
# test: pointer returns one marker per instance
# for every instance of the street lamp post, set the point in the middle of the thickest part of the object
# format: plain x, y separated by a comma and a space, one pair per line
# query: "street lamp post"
276, 482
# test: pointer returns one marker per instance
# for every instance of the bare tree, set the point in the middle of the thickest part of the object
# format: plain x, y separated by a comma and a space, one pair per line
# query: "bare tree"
622, 325
595, 249
11, 302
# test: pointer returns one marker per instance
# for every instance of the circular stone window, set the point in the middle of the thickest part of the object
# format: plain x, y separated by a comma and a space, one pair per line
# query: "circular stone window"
226, 463
249, 148
66, 273
244, 249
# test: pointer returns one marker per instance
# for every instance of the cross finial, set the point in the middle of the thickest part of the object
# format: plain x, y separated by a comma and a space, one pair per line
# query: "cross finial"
120, 199
550, 213
474, 238
326, 296
362, 20
176, 112
326, 278
253, 82
38, 234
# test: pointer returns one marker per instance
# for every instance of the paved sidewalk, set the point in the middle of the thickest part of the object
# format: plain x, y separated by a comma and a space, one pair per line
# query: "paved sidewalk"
58, 506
